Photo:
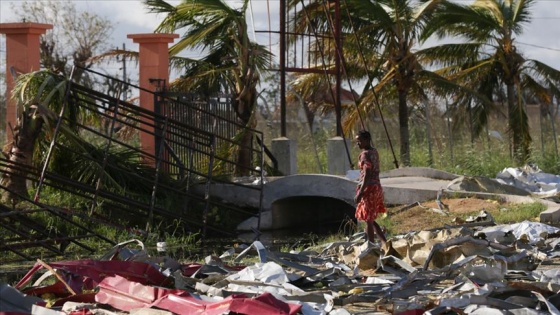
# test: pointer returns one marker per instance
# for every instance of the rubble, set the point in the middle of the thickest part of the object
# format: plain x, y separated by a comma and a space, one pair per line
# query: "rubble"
533, 180
503, 269
522, 181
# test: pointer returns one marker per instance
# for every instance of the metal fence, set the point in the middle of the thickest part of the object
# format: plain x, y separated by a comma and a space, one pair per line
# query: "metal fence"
113, 181
214, 115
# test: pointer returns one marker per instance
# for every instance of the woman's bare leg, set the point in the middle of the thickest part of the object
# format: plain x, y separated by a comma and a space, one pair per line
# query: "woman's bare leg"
370, 231
379, 232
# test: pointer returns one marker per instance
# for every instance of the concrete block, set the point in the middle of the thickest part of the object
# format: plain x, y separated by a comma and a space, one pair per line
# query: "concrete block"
551, 215
337, 156
285, 152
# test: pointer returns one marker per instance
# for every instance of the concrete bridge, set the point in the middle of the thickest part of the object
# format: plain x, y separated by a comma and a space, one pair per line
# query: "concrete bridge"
300, 200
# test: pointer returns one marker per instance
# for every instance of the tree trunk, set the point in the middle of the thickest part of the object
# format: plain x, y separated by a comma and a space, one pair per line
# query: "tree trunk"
403, 129
429, 133
244, 156
551, 116
245, 108
20, 154
519, 127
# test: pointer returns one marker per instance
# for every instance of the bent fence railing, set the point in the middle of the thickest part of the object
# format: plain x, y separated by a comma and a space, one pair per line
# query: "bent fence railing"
108, 179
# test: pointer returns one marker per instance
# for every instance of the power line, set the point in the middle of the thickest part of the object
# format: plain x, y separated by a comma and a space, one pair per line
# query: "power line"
537, 46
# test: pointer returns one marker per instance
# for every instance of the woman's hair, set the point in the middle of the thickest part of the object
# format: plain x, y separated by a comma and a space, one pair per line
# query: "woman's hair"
364, 134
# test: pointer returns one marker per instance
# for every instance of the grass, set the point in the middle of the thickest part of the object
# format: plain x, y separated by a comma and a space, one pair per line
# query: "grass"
518, 212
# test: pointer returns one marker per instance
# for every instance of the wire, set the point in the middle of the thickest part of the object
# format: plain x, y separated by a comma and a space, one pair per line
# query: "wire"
322, 52
370, 79
537, 46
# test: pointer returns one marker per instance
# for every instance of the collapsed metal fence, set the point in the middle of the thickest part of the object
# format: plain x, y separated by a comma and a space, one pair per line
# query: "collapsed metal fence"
113, 181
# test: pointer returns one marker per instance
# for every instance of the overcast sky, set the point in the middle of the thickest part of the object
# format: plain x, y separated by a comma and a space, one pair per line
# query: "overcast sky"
540, 41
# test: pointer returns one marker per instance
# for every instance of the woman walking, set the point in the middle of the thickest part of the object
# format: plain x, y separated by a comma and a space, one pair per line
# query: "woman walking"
369, 193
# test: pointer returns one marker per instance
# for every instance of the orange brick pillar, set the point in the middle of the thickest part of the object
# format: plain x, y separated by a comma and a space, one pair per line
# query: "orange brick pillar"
154, 64
23, 55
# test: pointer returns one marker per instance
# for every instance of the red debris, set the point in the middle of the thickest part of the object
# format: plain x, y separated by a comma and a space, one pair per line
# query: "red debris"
127, 295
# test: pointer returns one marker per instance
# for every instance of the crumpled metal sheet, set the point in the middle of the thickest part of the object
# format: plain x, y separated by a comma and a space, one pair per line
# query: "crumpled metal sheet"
531, 179
533, 233
126, 295
432, 272
87, 274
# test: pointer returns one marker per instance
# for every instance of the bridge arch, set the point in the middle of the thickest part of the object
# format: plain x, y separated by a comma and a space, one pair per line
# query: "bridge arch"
297, 200
318, 185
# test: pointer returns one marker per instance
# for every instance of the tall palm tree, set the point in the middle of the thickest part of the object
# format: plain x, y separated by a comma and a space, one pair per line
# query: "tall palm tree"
488, 60
387, 32
231, 61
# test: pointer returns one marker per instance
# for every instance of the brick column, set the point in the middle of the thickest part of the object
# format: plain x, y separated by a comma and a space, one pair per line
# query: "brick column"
154, 64
23, 55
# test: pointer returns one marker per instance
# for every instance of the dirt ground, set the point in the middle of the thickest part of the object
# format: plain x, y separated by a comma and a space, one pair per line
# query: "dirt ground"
423, 217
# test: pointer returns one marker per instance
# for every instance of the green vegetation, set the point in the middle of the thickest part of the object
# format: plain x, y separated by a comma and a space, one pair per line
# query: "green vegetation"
518, 213
482, 158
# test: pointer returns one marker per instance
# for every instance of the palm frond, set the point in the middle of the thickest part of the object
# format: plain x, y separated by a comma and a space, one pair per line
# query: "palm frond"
114, 53
159, 6
521, 14
44, 87
536, 89
543, 70
450, 54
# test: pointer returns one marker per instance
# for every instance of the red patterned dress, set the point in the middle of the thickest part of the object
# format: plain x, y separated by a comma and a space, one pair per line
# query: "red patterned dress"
372, 203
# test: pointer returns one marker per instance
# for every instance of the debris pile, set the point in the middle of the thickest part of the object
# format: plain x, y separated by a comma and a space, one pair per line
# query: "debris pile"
522, 181
533, 180
504, 269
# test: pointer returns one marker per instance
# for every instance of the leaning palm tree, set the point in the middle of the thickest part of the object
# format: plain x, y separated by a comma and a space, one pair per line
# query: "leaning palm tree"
489, 61
231, 62
387, 33
39, 97
43, 106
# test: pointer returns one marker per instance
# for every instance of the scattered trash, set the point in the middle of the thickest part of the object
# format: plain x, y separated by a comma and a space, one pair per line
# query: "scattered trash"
503, 269
484, 185
161, 247
532, 179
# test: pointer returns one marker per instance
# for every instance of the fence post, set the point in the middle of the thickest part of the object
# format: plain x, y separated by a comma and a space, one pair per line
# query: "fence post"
154, 67
22, 56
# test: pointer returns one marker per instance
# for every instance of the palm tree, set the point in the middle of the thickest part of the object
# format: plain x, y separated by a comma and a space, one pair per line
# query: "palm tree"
387, 32
231, 62
40, 97
489, 59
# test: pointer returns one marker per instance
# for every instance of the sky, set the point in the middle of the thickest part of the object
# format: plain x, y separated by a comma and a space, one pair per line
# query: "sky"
131, 17
540, 41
